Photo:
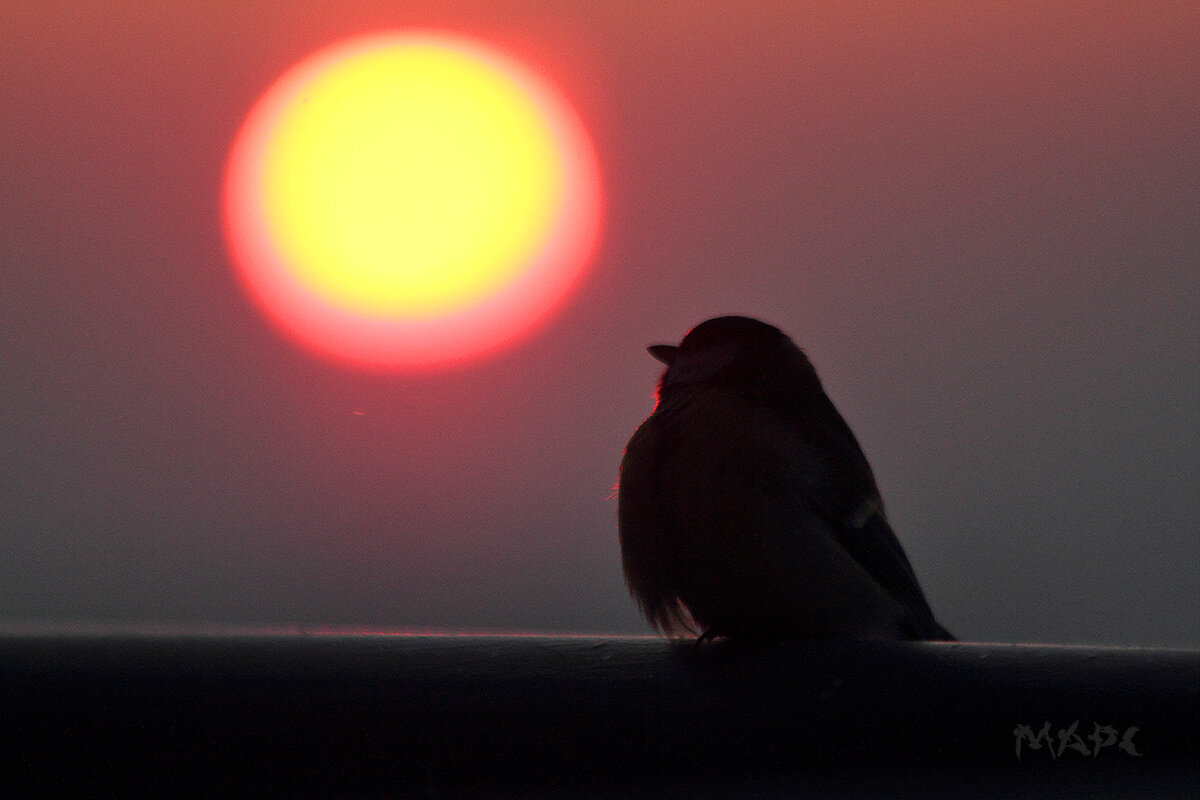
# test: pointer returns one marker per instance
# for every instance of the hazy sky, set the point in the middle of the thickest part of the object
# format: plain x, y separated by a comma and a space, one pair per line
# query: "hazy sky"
981, 221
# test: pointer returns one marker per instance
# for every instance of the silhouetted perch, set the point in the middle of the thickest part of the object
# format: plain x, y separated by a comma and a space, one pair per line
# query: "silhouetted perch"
418, 715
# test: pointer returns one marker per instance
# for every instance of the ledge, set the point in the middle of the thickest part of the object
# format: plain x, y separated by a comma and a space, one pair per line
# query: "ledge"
528, 715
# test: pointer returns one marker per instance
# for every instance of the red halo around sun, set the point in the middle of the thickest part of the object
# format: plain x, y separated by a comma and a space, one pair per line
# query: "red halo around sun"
407, 199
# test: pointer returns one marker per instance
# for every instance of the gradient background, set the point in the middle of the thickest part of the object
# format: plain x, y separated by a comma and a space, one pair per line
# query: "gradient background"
982, 221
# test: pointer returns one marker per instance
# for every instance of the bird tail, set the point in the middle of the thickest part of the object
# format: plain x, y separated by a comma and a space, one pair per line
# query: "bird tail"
936, 633
943, 635
928, 631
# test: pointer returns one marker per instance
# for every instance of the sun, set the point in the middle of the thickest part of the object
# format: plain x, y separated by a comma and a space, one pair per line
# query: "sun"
411, 198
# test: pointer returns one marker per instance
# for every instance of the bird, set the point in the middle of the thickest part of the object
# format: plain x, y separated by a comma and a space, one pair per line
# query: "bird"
746, 507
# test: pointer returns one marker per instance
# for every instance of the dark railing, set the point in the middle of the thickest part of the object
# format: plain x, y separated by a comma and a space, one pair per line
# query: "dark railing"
565, 716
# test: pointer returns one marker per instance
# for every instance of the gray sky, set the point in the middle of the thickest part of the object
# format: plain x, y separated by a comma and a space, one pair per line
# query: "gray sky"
981, 221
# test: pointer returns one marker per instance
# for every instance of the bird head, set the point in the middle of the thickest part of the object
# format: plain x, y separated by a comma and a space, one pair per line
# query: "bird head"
740, 352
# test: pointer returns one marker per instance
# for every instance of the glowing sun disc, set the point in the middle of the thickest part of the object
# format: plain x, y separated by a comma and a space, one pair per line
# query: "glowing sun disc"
410, 198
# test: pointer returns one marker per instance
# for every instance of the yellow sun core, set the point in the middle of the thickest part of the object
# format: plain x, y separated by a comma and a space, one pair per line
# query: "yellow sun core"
410, 180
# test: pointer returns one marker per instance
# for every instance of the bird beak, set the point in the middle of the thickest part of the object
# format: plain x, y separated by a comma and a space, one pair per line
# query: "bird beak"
663, 352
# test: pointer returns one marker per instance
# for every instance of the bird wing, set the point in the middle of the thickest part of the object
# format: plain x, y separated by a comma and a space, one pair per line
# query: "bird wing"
870, 541
849, 498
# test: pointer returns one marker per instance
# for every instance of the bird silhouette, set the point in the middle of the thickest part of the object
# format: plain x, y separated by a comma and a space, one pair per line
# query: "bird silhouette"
747, 508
